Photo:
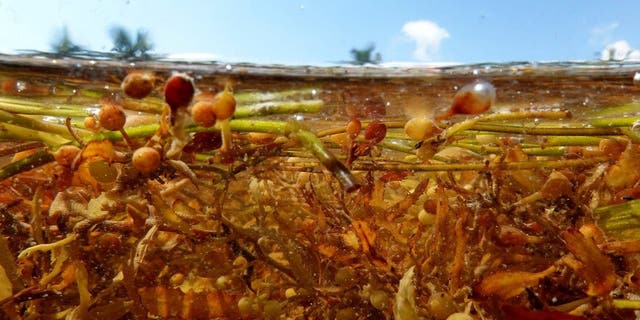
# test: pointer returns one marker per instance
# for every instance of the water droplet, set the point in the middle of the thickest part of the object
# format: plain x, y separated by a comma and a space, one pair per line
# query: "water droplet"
20, 86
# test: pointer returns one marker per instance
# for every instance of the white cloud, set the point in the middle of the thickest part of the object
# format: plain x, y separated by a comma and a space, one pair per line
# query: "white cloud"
603, 34
620, 50
427, 36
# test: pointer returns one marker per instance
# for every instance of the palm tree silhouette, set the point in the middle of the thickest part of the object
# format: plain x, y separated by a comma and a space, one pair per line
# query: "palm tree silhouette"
64, 46
362, 56
126, 48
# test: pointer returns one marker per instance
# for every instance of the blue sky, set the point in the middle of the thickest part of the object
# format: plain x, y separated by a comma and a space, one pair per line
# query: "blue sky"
310, 32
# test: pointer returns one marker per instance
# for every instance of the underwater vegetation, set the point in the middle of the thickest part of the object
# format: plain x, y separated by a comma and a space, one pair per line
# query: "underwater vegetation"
163, 195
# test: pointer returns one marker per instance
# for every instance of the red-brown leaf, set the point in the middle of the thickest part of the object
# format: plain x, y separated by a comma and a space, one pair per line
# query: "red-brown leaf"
596, 267
508, 284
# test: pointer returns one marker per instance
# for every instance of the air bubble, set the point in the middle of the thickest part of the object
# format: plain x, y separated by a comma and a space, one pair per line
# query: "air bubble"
21, 86
228, 67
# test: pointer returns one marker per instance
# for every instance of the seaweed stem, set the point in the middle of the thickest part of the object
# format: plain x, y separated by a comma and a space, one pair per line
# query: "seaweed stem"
39, 108
16, 133
73, 132
626, 304
520, 165
276, 107
25, 164
47, 246
508, 128
328, 160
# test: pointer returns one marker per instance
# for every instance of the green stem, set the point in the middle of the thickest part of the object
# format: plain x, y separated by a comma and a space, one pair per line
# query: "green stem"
13, 132
149, 105
632, 134
266, 126
522, 165
29, 123
276, 127
616, 209
312, 143
513, 115
253, 97
572, 141
536, 151
25, 164
507, 128
37, 108
615, 111
614, 122
626, 304
133, 132
397, 145
525, 114
285, 107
